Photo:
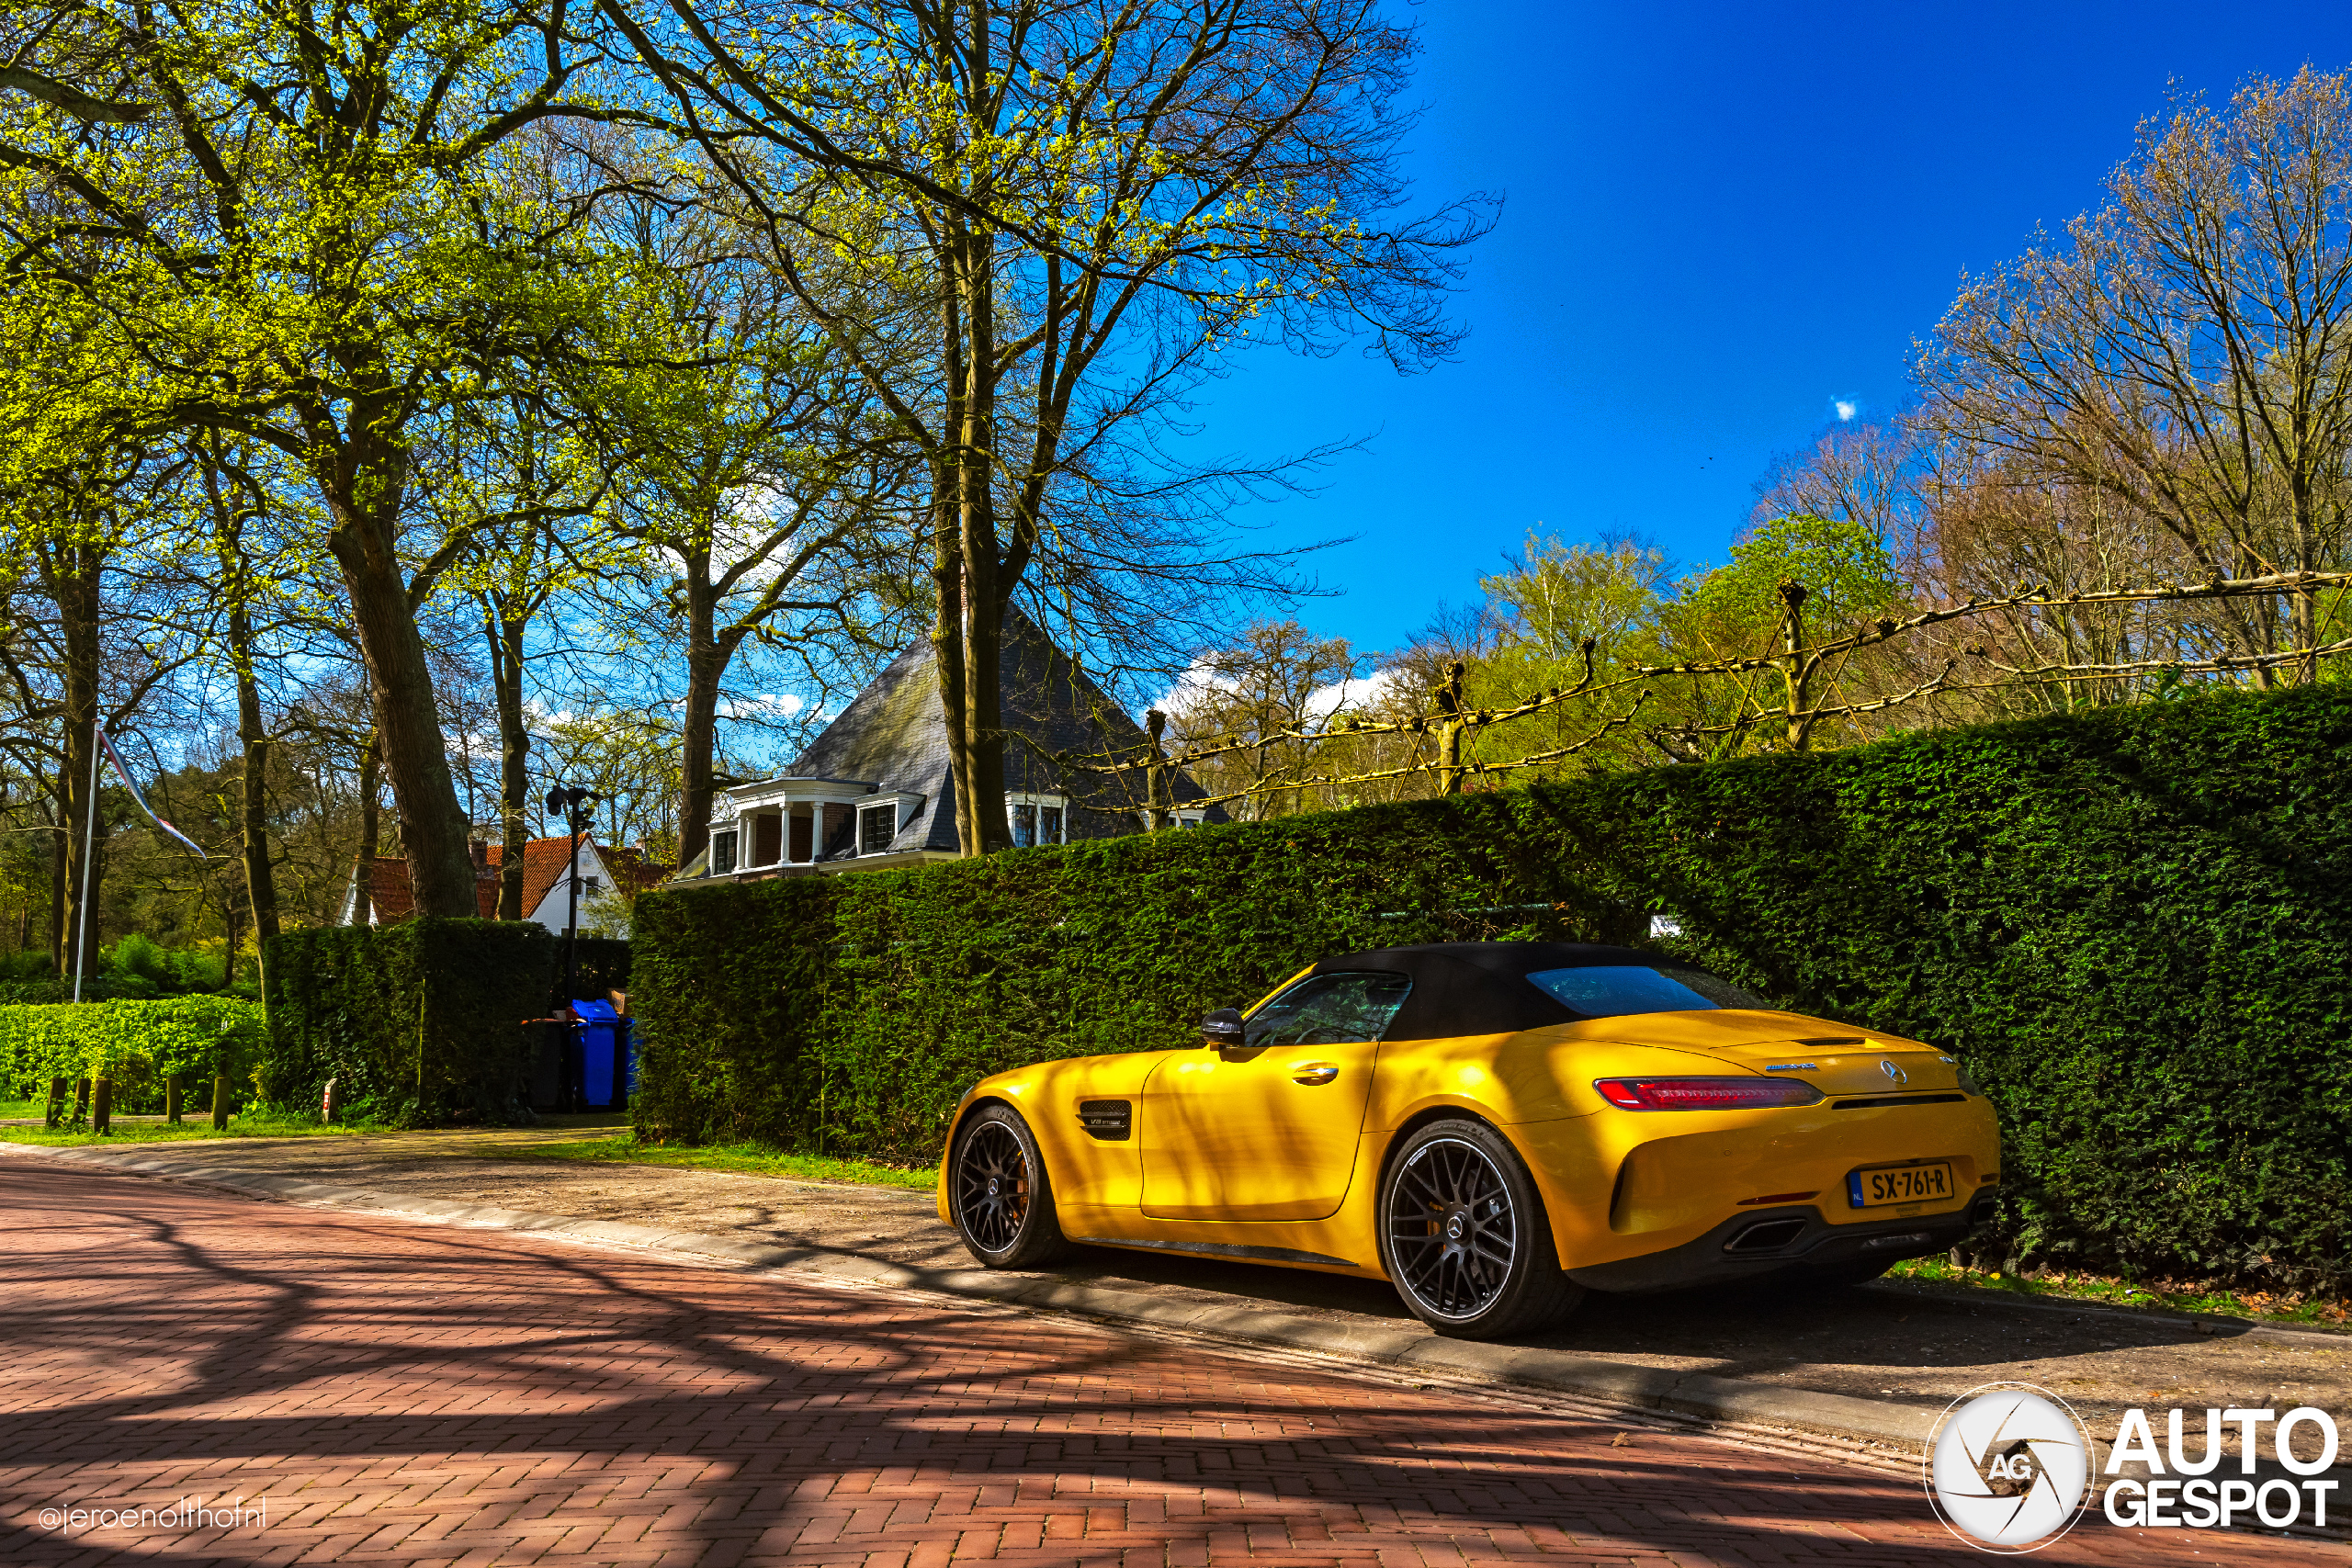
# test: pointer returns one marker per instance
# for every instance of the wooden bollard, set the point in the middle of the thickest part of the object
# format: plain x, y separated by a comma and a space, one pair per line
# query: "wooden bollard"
172, 1098
81, 1101
220, 1103
57, 1093
102, 1107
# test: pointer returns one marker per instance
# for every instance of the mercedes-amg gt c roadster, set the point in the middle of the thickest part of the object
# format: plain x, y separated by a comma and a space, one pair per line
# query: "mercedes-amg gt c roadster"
1493, 1128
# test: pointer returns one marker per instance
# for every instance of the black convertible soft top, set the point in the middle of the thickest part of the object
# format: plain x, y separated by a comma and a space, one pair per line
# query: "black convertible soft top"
1479, 987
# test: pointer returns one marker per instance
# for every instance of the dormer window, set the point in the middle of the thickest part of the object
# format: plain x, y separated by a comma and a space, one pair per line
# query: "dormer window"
722, 854
877, 827
1038, 819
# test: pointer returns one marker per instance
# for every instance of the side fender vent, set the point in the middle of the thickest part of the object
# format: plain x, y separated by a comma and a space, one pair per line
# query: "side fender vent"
1112, 1121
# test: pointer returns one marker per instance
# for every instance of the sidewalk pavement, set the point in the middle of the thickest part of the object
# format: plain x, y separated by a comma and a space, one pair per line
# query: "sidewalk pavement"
359, 1389
1878, 1363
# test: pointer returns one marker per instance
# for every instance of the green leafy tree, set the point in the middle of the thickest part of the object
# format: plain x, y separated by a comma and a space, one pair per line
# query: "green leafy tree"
1793, 583
310, 231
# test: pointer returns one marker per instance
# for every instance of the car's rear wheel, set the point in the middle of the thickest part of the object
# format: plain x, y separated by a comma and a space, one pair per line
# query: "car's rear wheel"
1463, 1236
998, 1194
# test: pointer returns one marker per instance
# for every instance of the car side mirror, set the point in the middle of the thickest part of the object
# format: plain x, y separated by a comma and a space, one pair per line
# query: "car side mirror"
1221, 1027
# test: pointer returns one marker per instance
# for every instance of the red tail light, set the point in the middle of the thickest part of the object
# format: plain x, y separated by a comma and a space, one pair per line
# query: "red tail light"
1705, 1094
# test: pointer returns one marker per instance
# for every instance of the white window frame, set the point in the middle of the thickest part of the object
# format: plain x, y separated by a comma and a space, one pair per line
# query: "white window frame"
895, 808
1060, 803
734, 852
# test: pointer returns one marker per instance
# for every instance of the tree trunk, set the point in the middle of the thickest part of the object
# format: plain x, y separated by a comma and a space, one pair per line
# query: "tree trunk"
434, 831
1156, 794
261, 891
229, 918
982, 776
504, 634
698, 730
948, 569
72, 575
1798, 676
60, 853
1448, 734
363, 873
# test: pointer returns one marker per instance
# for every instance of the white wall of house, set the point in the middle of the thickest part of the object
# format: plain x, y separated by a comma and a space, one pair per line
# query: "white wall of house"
599, 910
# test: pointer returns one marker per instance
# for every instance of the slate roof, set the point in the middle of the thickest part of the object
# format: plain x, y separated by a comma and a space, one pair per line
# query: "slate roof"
894, 736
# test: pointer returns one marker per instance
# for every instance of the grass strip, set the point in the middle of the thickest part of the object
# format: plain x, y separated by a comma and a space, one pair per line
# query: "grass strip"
2105, 1290
749, 1159
244, 1124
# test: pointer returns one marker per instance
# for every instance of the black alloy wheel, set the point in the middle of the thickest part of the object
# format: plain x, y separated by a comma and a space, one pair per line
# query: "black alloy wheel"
1463, 1236
997, 1192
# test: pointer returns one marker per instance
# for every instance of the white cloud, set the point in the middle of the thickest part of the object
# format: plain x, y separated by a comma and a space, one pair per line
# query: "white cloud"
1198, 678
1321, 703
1327, 700
1847, 408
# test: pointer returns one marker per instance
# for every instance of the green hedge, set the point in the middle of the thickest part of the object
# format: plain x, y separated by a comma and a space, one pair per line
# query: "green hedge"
2128, 921
851, 1012
136, 1044
604, 964
416, 1021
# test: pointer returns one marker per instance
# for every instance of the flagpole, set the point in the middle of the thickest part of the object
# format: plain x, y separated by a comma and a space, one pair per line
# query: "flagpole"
89, 854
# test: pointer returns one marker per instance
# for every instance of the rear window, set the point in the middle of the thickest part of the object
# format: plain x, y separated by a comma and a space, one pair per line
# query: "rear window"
1611, 990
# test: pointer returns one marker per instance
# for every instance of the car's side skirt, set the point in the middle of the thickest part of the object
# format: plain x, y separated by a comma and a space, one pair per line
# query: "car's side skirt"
1222, 1249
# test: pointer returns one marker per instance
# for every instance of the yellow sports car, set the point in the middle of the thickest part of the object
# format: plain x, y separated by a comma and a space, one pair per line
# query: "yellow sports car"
1493, 1128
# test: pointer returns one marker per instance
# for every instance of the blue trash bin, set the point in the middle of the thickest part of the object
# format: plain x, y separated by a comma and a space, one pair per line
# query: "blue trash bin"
602, 1056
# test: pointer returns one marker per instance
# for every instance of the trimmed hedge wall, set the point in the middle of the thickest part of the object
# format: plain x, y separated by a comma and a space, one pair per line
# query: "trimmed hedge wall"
603, 966
851, 1013
2129, 922
137, 1044
417, 1022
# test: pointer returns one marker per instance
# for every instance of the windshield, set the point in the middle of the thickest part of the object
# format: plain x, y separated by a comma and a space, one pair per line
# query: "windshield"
1611, 990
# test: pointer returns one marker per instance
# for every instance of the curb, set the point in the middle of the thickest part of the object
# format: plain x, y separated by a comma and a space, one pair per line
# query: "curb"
1698, 1394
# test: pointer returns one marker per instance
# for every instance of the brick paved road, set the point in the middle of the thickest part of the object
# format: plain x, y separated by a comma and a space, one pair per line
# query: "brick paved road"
404, 1393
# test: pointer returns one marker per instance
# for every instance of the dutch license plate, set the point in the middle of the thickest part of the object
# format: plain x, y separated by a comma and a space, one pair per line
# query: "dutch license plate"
1901, 1184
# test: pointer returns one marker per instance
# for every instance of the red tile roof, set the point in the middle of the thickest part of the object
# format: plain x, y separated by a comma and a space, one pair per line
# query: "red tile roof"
543, 863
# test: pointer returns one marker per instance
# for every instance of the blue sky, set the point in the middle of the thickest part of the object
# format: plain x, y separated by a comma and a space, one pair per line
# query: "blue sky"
1720, 221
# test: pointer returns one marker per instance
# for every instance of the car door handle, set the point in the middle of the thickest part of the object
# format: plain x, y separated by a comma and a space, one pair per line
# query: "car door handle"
1315, 1073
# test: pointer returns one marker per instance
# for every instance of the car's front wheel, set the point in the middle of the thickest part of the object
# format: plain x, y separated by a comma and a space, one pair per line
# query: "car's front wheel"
1463, 1236
1002, 1204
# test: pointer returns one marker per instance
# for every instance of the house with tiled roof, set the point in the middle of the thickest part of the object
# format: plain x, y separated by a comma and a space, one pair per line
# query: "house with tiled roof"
603, 872
876, 789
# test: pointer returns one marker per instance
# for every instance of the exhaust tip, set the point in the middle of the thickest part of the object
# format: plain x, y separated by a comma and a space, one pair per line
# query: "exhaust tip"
1766, 1236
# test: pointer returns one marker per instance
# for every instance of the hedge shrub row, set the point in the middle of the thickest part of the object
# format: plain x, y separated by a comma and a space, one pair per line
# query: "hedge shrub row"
2130, 922
416, 1023
851, 1012
136, 1044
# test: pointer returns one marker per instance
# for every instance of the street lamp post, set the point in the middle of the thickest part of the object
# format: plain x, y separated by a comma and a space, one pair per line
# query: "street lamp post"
571, 801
